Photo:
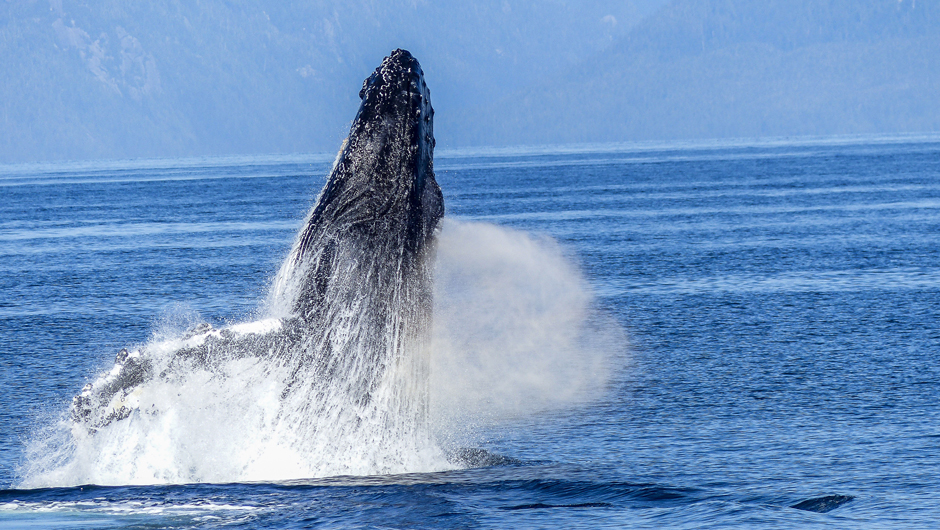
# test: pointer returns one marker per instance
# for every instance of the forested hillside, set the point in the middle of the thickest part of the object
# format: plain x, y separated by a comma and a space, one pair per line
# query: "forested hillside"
118, 79
746, 68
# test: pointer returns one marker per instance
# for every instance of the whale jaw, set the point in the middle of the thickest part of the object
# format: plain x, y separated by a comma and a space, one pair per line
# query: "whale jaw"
381, 203
384, 172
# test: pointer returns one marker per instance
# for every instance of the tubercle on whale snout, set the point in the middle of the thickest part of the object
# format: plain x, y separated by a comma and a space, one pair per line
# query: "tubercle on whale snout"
398, 68
397, 86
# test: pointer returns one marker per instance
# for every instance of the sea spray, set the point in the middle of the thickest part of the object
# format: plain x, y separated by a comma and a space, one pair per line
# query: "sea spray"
517, 330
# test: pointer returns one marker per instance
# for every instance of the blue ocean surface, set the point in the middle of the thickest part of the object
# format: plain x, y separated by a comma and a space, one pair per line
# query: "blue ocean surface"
777, 305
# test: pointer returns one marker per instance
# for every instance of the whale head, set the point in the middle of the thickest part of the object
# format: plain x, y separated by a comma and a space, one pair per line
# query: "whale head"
381, 204
392, 136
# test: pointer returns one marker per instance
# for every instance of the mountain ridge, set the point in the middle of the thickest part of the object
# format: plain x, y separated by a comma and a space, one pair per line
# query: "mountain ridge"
708, 69
116, 79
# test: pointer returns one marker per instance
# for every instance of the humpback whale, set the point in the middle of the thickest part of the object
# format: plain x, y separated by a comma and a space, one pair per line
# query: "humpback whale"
347, 318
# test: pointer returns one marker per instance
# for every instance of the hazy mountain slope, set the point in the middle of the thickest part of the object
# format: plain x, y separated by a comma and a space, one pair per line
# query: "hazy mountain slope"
740, 68
115, 78
141, 80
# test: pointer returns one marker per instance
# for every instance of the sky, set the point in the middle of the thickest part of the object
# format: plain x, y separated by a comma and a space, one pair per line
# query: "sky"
116, 79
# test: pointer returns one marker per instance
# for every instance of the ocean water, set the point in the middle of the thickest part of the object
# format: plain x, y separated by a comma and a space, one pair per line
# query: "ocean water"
767, 318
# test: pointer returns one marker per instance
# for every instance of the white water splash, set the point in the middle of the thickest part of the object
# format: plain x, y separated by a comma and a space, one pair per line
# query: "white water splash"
512, 335
516, 329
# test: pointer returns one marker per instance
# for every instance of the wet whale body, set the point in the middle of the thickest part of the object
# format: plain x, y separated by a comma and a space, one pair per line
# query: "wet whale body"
345, 326
823, 504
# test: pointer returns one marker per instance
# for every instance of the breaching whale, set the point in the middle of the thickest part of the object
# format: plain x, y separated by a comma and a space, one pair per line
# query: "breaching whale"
347, 319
